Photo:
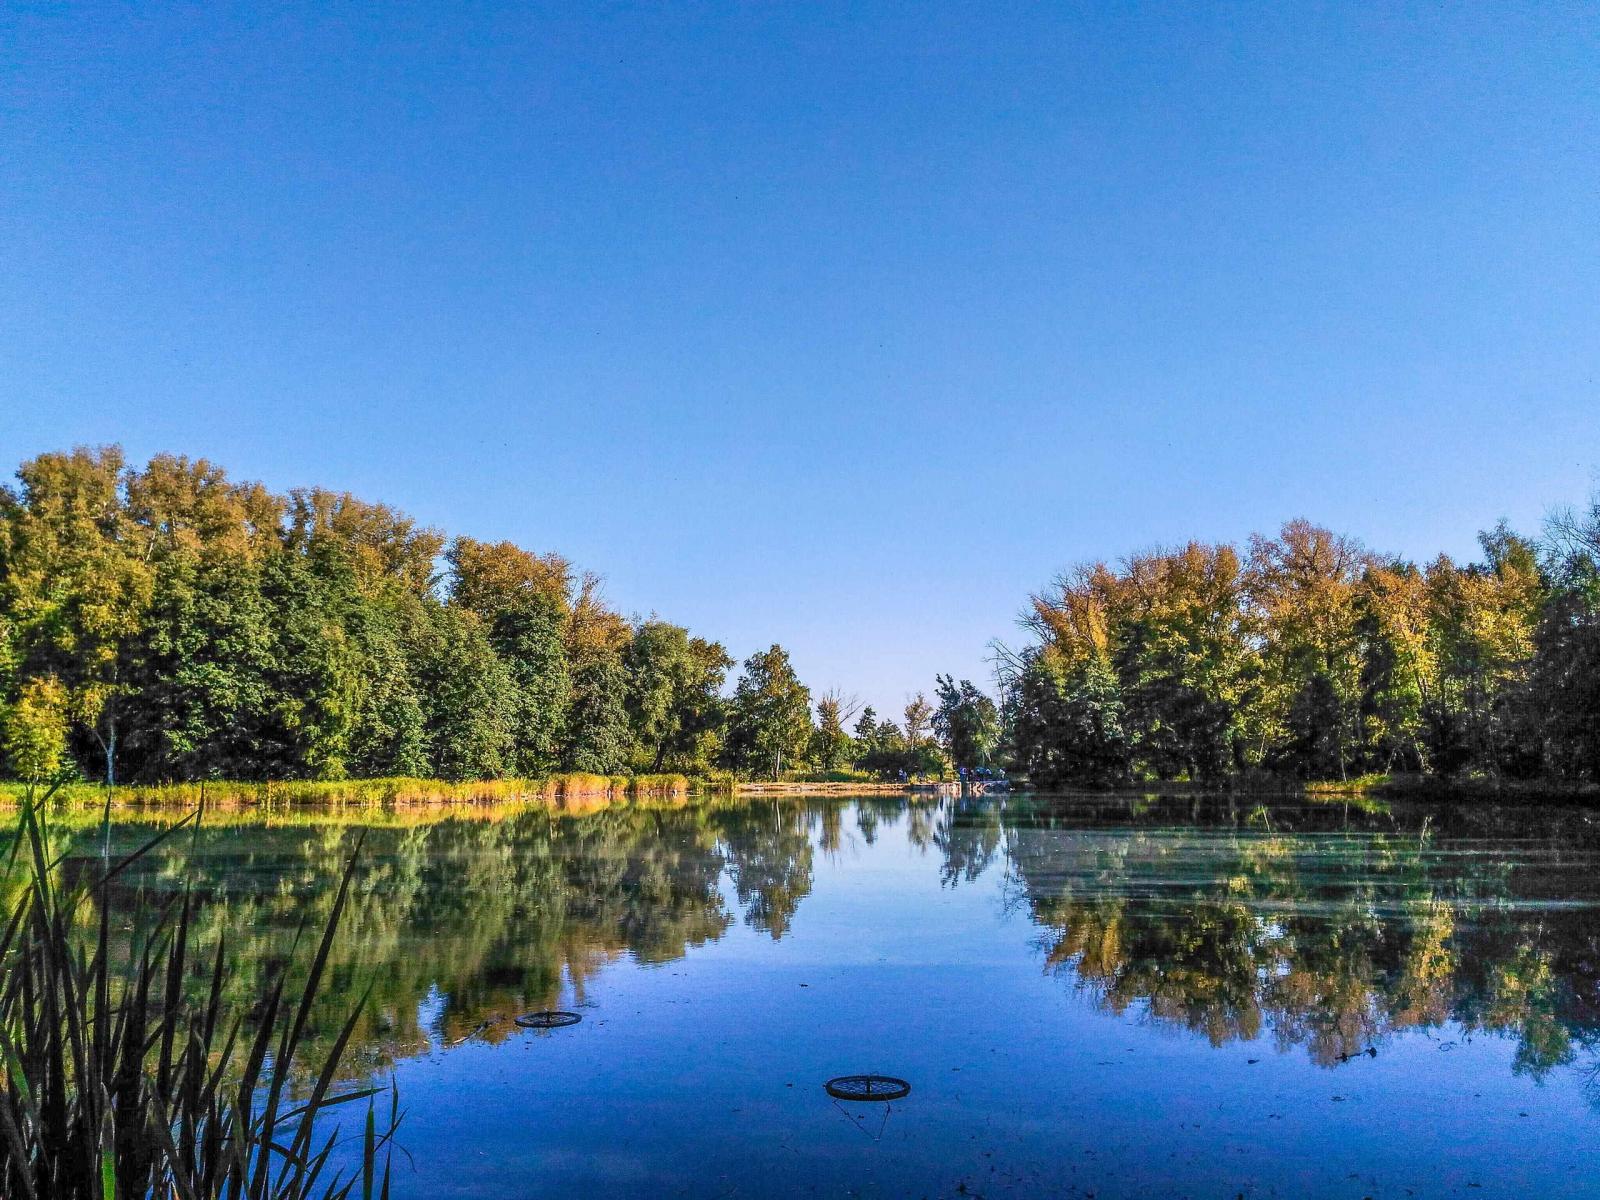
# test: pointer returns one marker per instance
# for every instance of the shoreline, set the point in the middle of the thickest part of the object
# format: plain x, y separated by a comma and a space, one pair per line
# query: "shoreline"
578, 792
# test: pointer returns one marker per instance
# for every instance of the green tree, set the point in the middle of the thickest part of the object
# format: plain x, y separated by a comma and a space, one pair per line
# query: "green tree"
831, 746
674, 702
598, 737
1564, 680
34, 730
918, 719
1065, 721
1482, 623
966, 722
866, 731
205, 652
769, 717
75, 587
523, 599
471, 701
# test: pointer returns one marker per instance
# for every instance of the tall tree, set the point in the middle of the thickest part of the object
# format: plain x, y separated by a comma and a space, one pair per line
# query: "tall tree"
1303, 584
1483, 620
830, 745
1066, 721
918, 719
524, 601
769, 717
207, 645
674, 696
966, 721
76, 586
1564, 679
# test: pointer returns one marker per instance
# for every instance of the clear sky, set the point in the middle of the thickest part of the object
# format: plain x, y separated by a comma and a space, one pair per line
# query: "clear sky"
838, 325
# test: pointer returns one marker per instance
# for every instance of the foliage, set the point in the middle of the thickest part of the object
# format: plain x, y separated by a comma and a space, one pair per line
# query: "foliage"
1313, 658
185, 626
1065, 722
831, 746
769, 717
674, 696
966, 722
34, 732
119, 1085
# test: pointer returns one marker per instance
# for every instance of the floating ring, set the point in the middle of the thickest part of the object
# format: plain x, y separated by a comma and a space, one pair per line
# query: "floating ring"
548, 1019
867, 1087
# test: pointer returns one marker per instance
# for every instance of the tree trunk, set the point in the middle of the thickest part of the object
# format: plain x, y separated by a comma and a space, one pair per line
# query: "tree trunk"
110, 744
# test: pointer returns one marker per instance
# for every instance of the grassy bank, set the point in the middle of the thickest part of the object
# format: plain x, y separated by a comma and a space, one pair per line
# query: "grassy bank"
568, 791
801, 787
1529, 791
845, 782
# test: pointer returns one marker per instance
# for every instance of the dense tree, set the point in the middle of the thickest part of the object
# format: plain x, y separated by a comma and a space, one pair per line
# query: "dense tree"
523, 599
597, 738
866, 730
918, 719
1482, 619
1065, 721
167, 622
831, 746
769, 717
966, 721
674, 697
34, 730
1565, 685
1303, 586
182, 625
76, 586
1563, 690
1312, 658
207, 649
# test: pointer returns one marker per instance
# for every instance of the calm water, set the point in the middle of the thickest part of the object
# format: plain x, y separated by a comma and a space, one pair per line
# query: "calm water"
1089, 997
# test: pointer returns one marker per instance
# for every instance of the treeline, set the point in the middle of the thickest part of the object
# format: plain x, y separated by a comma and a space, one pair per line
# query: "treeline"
1309, 656
167, 623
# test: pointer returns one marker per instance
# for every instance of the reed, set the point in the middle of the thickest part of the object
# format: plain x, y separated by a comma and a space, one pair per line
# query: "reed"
118, 1085
396, 792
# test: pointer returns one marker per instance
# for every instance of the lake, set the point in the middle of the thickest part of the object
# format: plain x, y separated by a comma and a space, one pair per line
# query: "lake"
1089, 996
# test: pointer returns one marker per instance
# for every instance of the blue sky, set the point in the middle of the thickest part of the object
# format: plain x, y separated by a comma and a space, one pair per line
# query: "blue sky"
842, 326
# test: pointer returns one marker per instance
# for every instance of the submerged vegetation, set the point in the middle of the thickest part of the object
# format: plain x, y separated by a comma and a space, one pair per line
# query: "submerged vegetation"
120, 1083
1309, 657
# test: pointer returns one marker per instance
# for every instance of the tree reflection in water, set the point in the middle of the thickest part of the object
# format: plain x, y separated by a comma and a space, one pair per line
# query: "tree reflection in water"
1317, 926
1323, 927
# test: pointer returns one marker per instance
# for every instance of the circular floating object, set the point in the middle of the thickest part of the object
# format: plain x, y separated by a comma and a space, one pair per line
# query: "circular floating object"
548, 1018
867, 1087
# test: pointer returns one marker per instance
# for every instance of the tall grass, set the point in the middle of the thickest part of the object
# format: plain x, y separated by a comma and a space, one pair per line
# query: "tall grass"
399, 791
117, 1085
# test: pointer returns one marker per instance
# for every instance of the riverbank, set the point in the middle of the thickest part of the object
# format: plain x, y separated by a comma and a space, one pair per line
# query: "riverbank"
566, 792
785, 787
573, 790
1521, 791
1419, 788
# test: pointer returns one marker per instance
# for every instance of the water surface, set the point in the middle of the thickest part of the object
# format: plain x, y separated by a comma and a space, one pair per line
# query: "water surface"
1109, 997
